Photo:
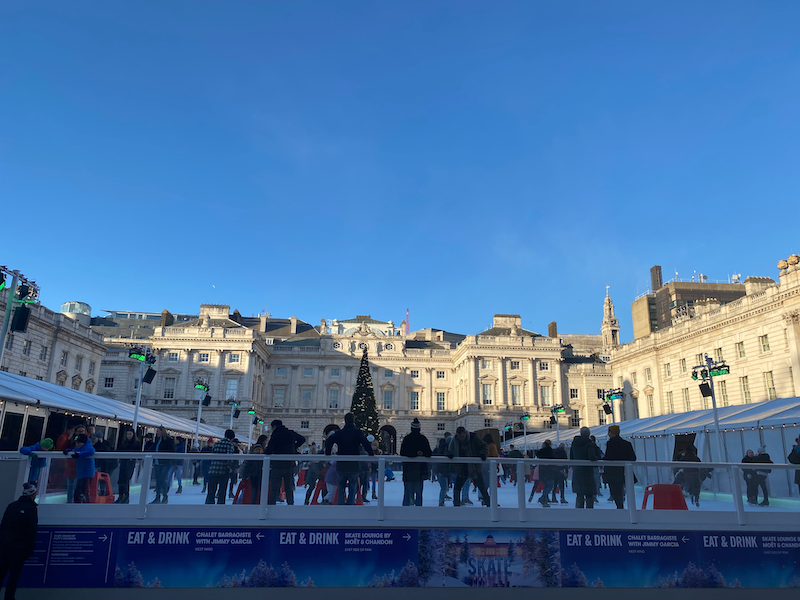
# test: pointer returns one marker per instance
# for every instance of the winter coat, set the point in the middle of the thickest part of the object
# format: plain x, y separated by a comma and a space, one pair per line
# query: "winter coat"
794, 458
348, 440
763, 458
127, 465
220, 468
105, 465
206, 464
617, 449
164, 444
37, 462
19, 526
692, 477
748, 474
583, 477
473, 446
441, 469
84, 461
413, 443
284, 441
515, 454
546, 472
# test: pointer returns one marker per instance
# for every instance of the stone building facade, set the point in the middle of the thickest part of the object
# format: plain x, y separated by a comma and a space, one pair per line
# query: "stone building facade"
55, 348
306, 375
758, 335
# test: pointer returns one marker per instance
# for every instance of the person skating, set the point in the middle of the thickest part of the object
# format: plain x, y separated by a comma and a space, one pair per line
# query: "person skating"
761, 475
205, 465
692, 477
128, 443
749, 476
583, 448
83, 453
219, 471
414, 473
560, 473
465, 444
282, 441
18, 537
162, 443
546, 474
348, 440
794, 459
617, 449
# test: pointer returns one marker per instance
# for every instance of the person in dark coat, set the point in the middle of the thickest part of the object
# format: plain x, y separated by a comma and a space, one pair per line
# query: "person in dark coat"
560, 473
205, 465
617, 449
749, 476
692, 477
762, 473
442, 471
545, 473
467, 444
414, 473
583, 448
128, 443
18, 537
282, 441
162, 443
348, 440
794, 459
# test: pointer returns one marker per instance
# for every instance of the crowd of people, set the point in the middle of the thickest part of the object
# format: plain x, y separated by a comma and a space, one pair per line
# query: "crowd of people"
337, 481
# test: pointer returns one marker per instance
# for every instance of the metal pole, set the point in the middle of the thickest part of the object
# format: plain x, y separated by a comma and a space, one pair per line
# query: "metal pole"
250, 437
12, 291
558, 429
720, 448
138, 397
613, 413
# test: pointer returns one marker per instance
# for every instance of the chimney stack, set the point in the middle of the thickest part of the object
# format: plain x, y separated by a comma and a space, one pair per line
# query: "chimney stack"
552, 329
656, 282
293, 320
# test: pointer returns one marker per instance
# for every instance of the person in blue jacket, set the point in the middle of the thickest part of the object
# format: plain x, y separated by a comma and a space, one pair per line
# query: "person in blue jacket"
83, 453
37, 462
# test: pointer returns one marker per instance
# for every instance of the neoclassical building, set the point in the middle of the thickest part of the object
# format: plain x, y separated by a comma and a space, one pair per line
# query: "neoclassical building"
306, 375
757, 334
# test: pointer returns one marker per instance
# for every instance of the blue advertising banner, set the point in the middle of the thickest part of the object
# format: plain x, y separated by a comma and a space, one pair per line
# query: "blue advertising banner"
184, 557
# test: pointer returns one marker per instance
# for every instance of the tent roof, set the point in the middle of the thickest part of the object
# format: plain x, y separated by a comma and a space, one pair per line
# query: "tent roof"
16, 388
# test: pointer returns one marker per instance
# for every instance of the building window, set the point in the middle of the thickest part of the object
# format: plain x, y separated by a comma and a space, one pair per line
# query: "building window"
305, 399
43, 353
543, 366
647, 375
764, 341
59, 382
26, 348
439, 400
76, 385
670, 403
280, 372
634, 379
78, 363
280, 397
91, 368
687, 403
389, 346
414, 374
169, 387
440, 427
515, 365
769, 382
723, 392
388, 373
172, 357
745, 385
651, 405
439, 374
337, 345
203, 357
109, 382
233, 358
544, 394
487, 422
388, 399
486, 364
575, 419
573, 393
64, 358
601, 394
718, 355
414, 400
601, 417
619, 379
740, 349
308, 372
700, 360
231, 388
10, 342
667, 370
683, 365
705, 402
136, 383
333, 398
486, 393
304, 425
336, 373
516, 395
786, 337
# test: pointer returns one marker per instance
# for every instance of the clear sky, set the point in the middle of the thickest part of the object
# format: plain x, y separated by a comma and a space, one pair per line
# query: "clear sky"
460, 159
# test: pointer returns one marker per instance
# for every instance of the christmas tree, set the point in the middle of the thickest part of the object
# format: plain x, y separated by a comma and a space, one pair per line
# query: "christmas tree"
363, 406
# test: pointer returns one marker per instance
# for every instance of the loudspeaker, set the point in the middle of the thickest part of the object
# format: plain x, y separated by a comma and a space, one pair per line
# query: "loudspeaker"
149, 375
19, 322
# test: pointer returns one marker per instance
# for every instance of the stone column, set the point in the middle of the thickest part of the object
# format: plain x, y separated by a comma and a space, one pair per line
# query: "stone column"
321, 400
290, 387
402, 401
431, 401
534, 398
503, 399
471, 381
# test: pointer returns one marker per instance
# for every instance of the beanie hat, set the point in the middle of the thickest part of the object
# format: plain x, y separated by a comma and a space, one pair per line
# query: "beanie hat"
370, 438
28, 489
81, 437
613, 429
762, 450
415, 424
46, 443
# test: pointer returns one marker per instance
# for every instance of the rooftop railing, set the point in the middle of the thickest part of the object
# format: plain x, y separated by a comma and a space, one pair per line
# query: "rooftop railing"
722, 500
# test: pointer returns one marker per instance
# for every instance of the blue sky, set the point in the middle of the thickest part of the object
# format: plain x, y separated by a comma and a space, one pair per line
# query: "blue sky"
459, 159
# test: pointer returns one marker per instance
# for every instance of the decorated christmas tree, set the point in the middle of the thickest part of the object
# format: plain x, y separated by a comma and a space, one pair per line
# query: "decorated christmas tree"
363, 406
